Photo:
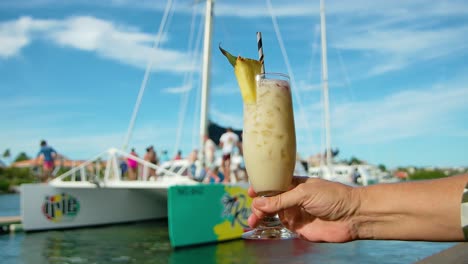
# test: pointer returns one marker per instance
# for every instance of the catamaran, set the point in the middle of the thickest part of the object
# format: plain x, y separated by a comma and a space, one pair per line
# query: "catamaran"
95, 193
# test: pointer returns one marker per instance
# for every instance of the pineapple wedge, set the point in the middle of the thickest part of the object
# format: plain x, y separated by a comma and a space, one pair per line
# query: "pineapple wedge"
245, 70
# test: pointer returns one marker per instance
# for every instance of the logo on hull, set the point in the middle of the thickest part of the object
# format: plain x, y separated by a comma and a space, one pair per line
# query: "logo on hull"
236, 209
60, 207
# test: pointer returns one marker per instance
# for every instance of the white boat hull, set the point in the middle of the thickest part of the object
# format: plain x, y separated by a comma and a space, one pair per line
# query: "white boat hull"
45, 207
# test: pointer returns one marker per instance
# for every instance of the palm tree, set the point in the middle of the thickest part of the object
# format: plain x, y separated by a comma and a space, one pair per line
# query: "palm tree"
6, 155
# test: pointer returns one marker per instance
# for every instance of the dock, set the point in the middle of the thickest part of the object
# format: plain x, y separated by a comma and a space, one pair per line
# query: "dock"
10, 224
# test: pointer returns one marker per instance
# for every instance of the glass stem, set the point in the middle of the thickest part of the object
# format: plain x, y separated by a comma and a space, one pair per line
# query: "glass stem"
270, 221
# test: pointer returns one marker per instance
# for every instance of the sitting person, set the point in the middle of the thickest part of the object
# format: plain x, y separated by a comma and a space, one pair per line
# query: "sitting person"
214, 176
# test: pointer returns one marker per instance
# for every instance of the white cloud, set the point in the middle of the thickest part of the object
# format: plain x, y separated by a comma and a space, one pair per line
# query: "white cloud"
307, 86
226, 89
11, 45
226, 119
105, 38
14, 35
178, 90
396, 49
406, 42
283, 8
404, 114
27, 102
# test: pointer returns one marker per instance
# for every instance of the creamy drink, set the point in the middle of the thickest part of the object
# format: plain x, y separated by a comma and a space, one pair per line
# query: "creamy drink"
269, 140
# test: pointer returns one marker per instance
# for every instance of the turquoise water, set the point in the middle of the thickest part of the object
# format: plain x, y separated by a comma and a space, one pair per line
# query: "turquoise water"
9, 205
148, 242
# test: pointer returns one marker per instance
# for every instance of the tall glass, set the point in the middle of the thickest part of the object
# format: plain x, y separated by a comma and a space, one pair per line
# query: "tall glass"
269, 145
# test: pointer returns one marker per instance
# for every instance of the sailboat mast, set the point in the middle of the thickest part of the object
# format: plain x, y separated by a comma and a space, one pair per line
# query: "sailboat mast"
205, 76
325, 84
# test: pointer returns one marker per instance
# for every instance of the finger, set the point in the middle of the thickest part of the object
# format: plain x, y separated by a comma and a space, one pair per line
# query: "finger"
299, 179
274, 204
253, 221
251, 192
255, 218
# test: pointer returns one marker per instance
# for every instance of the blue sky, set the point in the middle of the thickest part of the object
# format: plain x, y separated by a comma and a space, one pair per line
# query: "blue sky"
70, 72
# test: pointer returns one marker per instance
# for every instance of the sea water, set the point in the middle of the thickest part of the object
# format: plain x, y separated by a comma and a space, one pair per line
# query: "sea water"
148, 242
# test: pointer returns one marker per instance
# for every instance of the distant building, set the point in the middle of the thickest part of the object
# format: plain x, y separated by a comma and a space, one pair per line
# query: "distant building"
402, 175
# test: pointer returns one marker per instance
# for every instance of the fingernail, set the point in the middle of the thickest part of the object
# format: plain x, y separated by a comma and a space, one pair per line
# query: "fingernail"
260, 201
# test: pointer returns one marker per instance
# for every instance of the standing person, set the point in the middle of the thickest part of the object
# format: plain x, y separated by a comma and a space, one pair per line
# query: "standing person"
151, 157
132, 166
49, 154
178, 156
209, 149
164, 156
123, 168
227, 142
194, 166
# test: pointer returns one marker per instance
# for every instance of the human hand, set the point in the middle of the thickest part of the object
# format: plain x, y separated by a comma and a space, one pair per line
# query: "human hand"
315, 209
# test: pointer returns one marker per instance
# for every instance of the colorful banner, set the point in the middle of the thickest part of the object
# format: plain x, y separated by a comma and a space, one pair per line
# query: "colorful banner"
207, 213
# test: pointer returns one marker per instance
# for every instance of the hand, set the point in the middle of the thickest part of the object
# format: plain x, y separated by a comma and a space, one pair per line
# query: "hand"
317, 210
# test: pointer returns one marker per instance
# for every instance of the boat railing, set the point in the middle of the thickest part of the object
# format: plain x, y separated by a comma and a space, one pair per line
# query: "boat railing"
95, 171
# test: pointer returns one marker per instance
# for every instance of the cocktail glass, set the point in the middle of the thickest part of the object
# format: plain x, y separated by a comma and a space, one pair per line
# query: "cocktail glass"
269, 145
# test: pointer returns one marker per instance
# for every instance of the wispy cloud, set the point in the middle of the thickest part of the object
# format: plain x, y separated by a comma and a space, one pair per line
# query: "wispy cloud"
226, 119
405, 114
178, 90
28, 102
396, 48
82, 145
283, 8
107, 39
226, 89
16, 34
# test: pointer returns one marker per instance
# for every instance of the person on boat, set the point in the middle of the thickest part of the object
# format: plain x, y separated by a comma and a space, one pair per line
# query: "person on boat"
196, 171
193, 156
48, 155
320, 210
123, 167
132, 166
151, 157
192, 159
214, 176
178, 156
228, 141
164, 156
209, 149
356, 177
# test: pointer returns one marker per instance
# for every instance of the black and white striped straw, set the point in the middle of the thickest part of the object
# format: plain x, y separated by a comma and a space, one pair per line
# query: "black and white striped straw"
260, 50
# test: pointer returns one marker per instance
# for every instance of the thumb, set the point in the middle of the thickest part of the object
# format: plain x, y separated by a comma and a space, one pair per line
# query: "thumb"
279, 202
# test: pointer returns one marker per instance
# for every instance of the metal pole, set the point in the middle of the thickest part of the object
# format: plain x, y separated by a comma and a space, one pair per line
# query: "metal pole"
325, 85
205, 77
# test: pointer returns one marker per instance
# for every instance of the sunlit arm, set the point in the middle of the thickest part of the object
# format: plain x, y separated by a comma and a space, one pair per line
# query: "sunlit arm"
420, 210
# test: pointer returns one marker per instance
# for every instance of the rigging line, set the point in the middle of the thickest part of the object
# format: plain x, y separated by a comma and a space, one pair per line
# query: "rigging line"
345, 72
186, 83
198, 50
322, 134
314, 51
288, 65
343, 67
149, 65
